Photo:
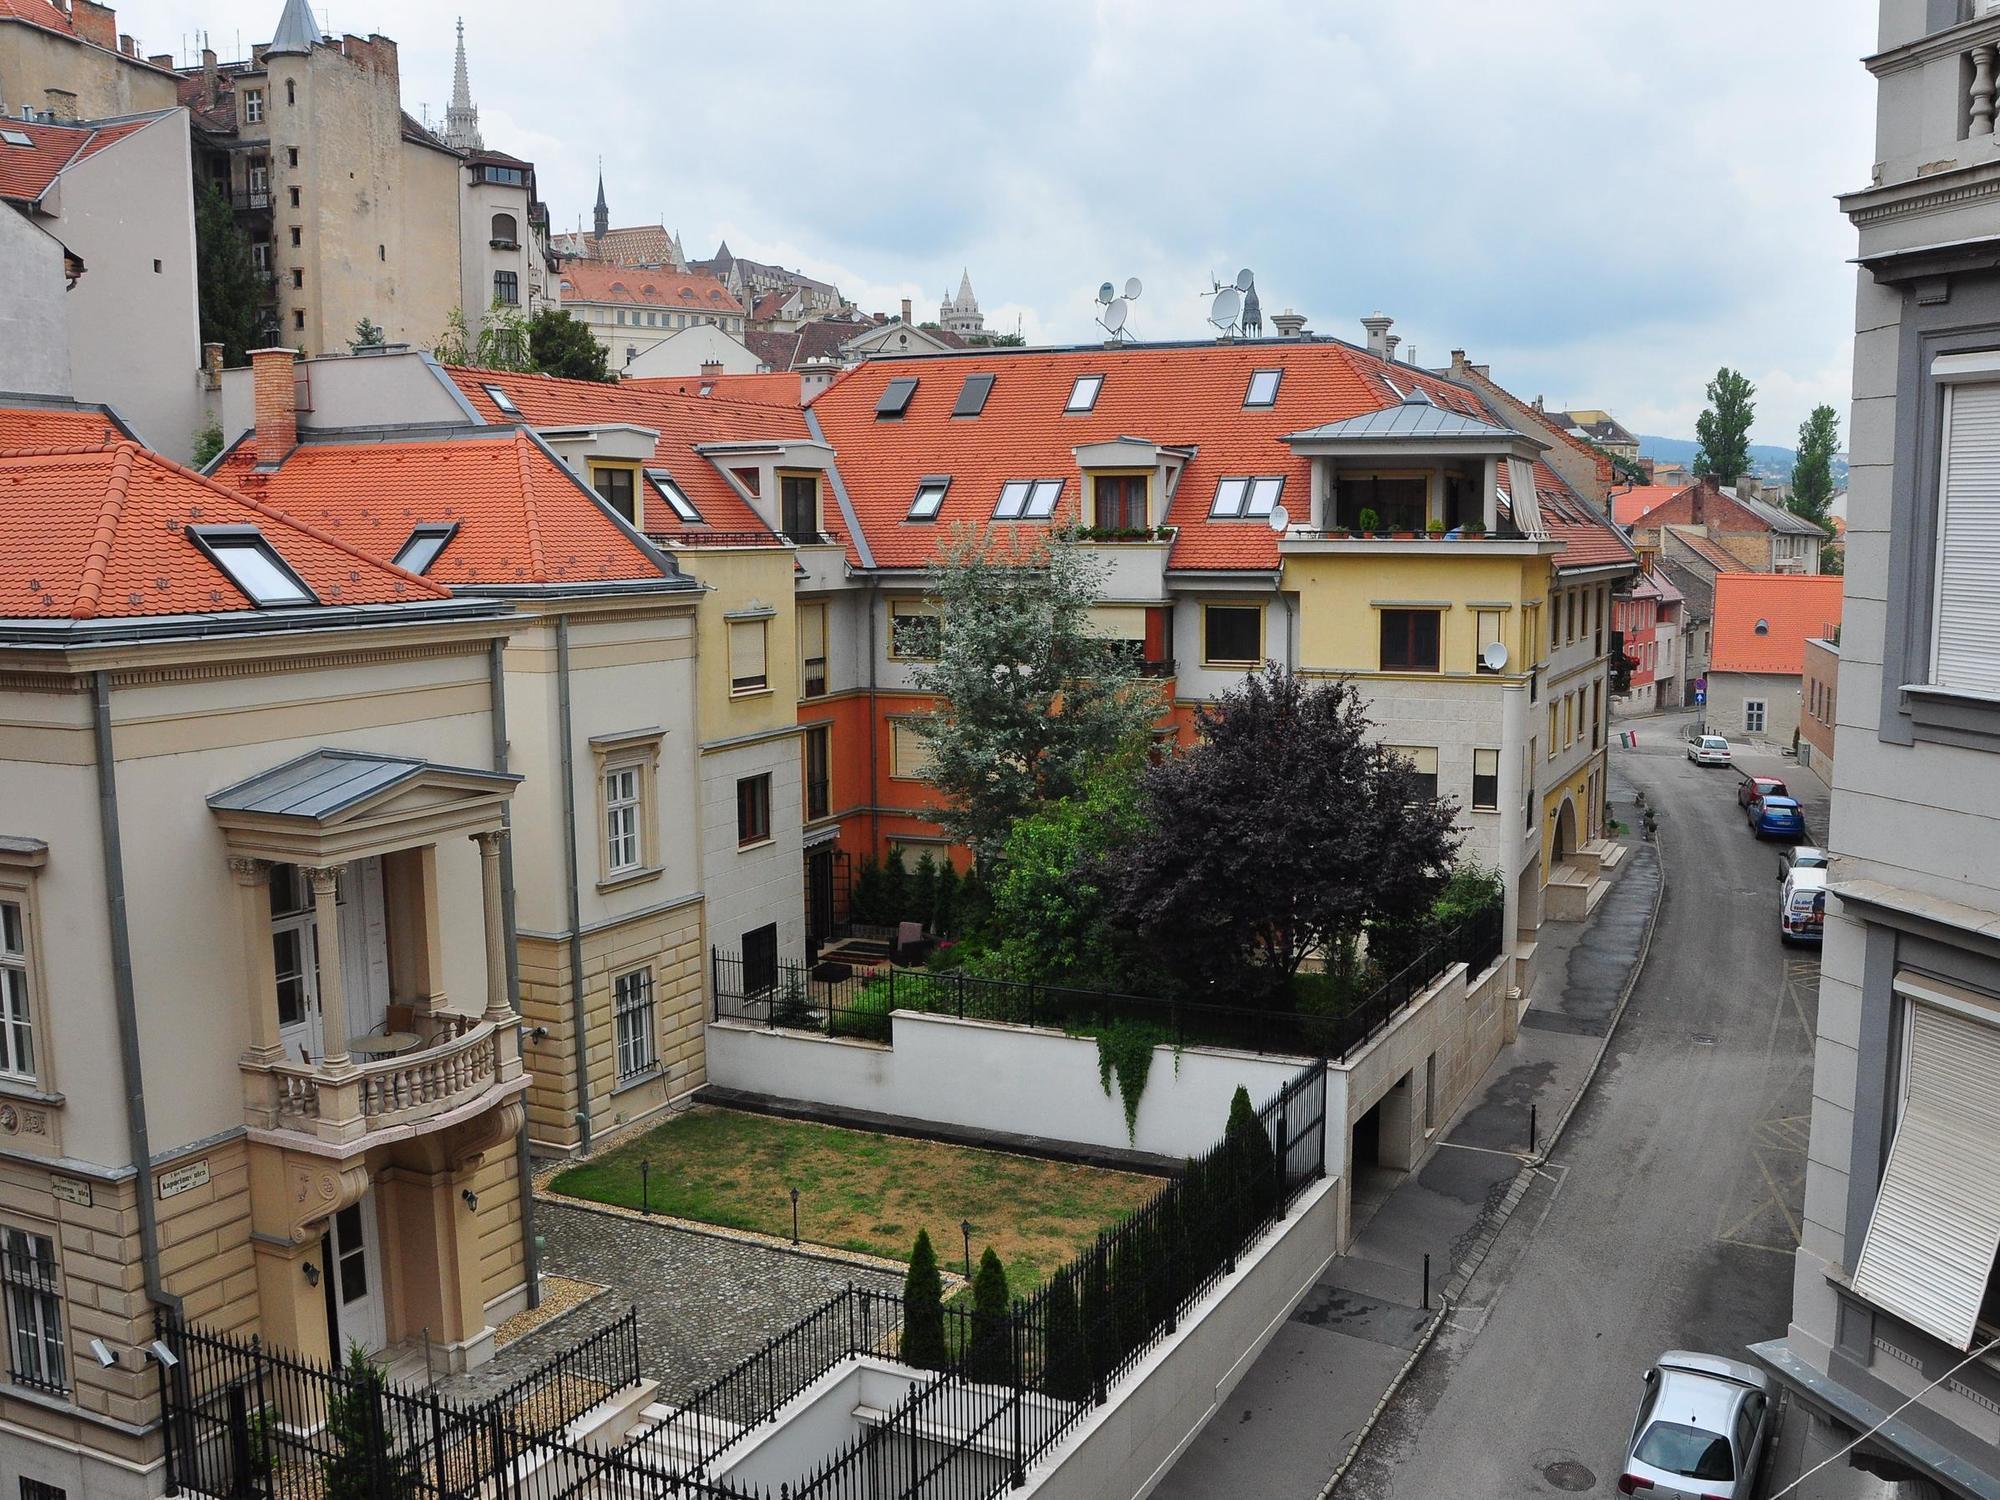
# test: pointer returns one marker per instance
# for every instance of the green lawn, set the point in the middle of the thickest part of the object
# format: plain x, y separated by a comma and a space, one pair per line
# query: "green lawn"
860, 1191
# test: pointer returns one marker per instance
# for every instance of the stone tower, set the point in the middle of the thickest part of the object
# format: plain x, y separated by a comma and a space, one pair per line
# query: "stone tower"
461, 117
961, 314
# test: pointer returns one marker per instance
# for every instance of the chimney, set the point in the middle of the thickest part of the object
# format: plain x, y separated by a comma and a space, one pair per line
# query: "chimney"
208, 78
906, 310
1749, 486
1709, 486
211, 366
96, 23
162, 60
1458, 362
61, 106
1378, 333
710, 368
1391, 341
277, 410
1288, 323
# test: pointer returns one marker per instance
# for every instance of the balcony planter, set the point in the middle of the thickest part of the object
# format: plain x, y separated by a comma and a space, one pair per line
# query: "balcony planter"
1403, 536
1476, 532
1435, 531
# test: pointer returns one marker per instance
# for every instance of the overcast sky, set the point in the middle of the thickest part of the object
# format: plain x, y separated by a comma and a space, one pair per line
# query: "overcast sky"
1604, 202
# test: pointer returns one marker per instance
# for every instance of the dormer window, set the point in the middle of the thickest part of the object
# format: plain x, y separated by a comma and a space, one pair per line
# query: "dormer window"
972, 396
895, 399
1083, 395
1028, 499
1263, 390
501, 399
1119, 502
930, 496
253, 565
421, 550
674, 495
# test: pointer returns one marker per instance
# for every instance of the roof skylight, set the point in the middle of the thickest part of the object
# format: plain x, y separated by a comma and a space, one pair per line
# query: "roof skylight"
930, 496
1239, 496
896, 397
1083, 395
421, 550
502, 400
1263, 389
17, 137
1028, 499
972, 396
674, 495
253, 565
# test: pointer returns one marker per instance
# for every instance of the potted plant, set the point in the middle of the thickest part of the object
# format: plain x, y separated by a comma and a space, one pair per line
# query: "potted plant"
1473, 529
1435, 530
1370, 523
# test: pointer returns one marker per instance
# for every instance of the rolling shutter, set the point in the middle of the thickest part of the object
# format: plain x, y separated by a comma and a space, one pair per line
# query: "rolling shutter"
746, 654
1931, 1244
1966, 631
1116, 622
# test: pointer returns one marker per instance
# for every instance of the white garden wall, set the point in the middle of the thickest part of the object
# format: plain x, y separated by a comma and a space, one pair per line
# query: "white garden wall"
1018, 1080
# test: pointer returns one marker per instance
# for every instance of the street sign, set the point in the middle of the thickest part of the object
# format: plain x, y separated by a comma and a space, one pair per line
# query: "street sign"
1700, 696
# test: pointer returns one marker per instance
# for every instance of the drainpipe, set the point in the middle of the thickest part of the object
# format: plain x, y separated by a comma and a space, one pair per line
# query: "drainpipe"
576, 1009
122, 990
874, 727
496, 679
1514, 786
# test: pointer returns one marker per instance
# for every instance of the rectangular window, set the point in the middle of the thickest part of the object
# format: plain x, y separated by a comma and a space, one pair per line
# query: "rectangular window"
35, 1489
621, 819
753, 810
1753, 715
1487, 625
299, 319
1555, 727
1531, 637
909, 752
616, 486
1083, 395
1410, 639
1598, 597
747, 656
1423, 759
1596, 714
297, 237
291, 152
798, 507
253, 566
916, 630
895, 398
253, 106
1486, 780
929, 498
501, 399
298, 279
972, 396
17, 1044
423, 546
1232, 635
632, 1019
819, 772
1965, 635
760, 959
812, 650
1263, 389
1118, 502
671, 492
507, 288
1027, 499
34, 1311
1575, 599
1528, 789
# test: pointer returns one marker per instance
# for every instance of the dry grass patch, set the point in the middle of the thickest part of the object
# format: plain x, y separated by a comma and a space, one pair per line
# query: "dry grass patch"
862, 1191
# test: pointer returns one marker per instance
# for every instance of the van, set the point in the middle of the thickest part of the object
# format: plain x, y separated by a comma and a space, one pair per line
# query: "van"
1802, 905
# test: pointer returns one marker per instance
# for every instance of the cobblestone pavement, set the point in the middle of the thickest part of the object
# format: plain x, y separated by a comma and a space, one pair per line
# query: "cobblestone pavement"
705, 1304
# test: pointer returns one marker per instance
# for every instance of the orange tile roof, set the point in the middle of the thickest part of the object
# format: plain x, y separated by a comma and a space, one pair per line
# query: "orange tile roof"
102, 532
1188, 395
645, 286
1627, 506
1589, 539
56, 427
37, 13
1795, 608
27, 171
522, 518
683, 422
772, 388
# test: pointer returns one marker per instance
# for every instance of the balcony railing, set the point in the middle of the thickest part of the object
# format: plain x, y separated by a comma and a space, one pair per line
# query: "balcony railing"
461, 1061
708, 538
260, 198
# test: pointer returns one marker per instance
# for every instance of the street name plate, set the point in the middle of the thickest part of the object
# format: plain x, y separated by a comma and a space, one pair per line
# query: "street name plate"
181, 1179
69, 1190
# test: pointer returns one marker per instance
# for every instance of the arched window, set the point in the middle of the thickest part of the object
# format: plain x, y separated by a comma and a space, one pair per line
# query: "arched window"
505, 231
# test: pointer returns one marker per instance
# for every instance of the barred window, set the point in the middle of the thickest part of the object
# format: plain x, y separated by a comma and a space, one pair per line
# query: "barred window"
632, 1016
35, 1489
17, 1046
34, 1311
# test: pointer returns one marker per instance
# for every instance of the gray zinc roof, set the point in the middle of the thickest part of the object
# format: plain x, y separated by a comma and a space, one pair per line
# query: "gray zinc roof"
1776, 516
296, 31
1408, 419
323, 782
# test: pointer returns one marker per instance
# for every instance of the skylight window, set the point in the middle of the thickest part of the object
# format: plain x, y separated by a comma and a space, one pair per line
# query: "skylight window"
1263, 389
972, 396
895, 398
421, 550
253, 566
1239, 496
1083, 395
930, 496
675, 496
502, 400
16, 138
1028, 499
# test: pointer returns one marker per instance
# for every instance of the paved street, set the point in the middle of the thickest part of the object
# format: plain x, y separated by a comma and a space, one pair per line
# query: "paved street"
1669, 1210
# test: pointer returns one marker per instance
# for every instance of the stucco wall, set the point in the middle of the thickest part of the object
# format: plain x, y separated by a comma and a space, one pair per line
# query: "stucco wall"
34, 324
682, 352
1729, 691
34, 59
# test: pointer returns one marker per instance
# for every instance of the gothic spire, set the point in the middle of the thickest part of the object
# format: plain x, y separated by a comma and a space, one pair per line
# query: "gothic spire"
602, 217
461, 117
297, 31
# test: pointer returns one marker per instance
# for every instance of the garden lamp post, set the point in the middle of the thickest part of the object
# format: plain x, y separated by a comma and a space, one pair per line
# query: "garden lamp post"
795, 1216
965, 1228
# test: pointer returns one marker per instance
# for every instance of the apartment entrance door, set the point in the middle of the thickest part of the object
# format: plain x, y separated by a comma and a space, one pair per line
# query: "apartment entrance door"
353, 1256
364, 955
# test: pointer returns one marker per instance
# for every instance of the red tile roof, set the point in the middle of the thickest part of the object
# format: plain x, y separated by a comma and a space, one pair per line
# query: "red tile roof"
1627, 506
1589, 539
1171, 395
683, 422
56, 427
636, 245
522, 518
773, 388
102, 532
1793, 607
27, 171
644, 286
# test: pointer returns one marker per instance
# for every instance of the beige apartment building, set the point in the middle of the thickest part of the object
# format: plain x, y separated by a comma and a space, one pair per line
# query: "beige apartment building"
259, 1062
68, 59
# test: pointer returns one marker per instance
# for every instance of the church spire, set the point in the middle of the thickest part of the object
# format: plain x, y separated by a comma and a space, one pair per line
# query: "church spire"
602, 217
461, 118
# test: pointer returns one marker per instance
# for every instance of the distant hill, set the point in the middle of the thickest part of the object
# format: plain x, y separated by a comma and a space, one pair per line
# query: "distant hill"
1770, 461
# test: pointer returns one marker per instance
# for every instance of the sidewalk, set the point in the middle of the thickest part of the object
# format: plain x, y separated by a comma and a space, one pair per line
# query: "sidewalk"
1295, 1418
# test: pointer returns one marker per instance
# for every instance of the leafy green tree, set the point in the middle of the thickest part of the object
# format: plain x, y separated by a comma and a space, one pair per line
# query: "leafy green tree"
560, 345
990, 1356
500, 344
923, 1309
1623, 470
1812, 470
208, 442
362, 1465
228, 286
1065, 1362
1832, 560
367, 335
1724, 428
1031, 701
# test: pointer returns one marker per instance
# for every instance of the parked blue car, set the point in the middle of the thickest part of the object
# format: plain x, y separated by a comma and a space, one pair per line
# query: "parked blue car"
1777, 817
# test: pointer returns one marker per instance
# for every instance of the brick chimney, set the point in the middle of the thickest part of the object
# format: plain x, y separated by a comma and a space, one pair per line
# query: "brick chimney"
96, 23
211, 366
208, 78
710, 369
1709, 485
1378, 326
906, 310
162, 60
277, 404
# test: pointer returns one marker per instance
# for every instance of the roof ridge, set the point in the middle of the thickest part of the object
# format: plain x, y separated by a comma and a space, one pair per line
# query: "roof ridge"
109, 514
529, 511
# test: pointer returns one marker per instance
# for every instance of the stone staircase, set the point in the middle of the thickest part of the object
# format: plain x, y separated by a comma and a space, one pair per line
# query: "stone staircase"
1581, 880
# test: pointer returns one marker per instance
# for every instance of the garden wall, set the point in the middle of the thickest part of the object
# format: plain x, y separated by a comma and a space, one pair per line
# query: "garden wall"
1016, 1080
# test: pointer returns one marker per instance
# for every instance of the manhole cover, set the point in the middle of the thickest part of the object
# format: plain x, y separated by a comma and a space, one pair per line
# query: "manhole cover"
1702, 1039
1568, 1474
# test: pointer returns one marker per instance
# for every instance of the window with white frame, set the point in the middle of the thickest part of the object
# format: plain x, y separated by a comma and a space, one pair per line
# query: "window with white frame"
1486, 780
623, 846
17, 1045
34, 1310
253, 106
1753, 715
632, 1020
1965, 633
916, 630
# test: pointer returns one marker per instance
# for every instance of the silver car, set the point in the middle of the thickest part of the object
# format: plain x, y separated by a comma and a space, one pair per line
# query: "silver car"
1702, 1429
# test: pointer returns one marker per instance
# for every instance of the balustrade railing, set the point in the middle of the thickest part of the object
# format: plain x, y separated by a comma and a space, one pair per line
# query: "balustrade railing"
461, 1058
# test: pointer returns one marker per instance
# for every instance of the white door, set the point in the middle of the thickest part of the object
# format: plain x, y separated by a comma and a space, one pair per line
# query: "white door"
354, 1270
295, 955
364, 946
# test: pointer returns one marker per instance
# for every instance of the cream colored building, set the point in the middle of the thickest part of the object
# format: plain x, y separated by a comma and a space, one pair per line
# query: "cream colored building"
69, 59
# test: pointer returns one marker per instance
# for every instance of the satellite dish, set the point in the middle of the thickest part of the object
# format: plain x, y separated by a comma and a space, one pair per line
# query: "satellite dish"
1114, 315
1132, 288
1106, 292
1228, 307
1244, 280
1494, 657
1280, 518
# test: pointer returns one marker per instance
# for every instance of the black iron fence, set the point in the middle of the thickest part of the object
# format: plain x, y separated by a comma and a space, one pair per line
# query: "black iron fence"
834, 1000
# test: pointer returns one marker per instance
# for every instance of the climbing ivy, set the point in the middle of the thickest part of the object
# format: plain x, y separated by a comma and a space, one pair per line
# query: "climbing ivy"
1126, 1049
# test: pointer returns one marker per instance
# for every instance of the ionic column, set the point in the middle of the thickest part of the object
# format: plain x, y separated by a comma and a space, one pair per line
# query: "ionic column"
497, 1008
332, 995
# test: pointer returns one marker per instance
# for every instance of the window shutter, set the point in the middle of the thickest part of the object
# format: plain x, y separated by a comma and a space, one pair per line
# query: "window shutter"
1966, 627
910, 753
1116, 622
746, 652
812, 631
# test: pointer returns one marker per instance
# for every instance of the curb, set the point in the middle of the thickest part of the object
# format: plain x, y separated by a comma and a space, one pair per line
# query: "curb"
1469, 1265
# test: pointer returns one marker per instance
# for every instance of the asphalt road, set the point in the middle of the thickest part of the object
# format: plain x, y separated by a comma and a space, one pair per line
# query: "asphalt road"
1666, 1217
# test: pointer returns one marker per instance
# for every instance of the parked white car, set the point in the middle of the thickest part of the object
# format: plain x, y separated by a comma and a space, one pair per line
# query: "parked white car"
1707, 749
